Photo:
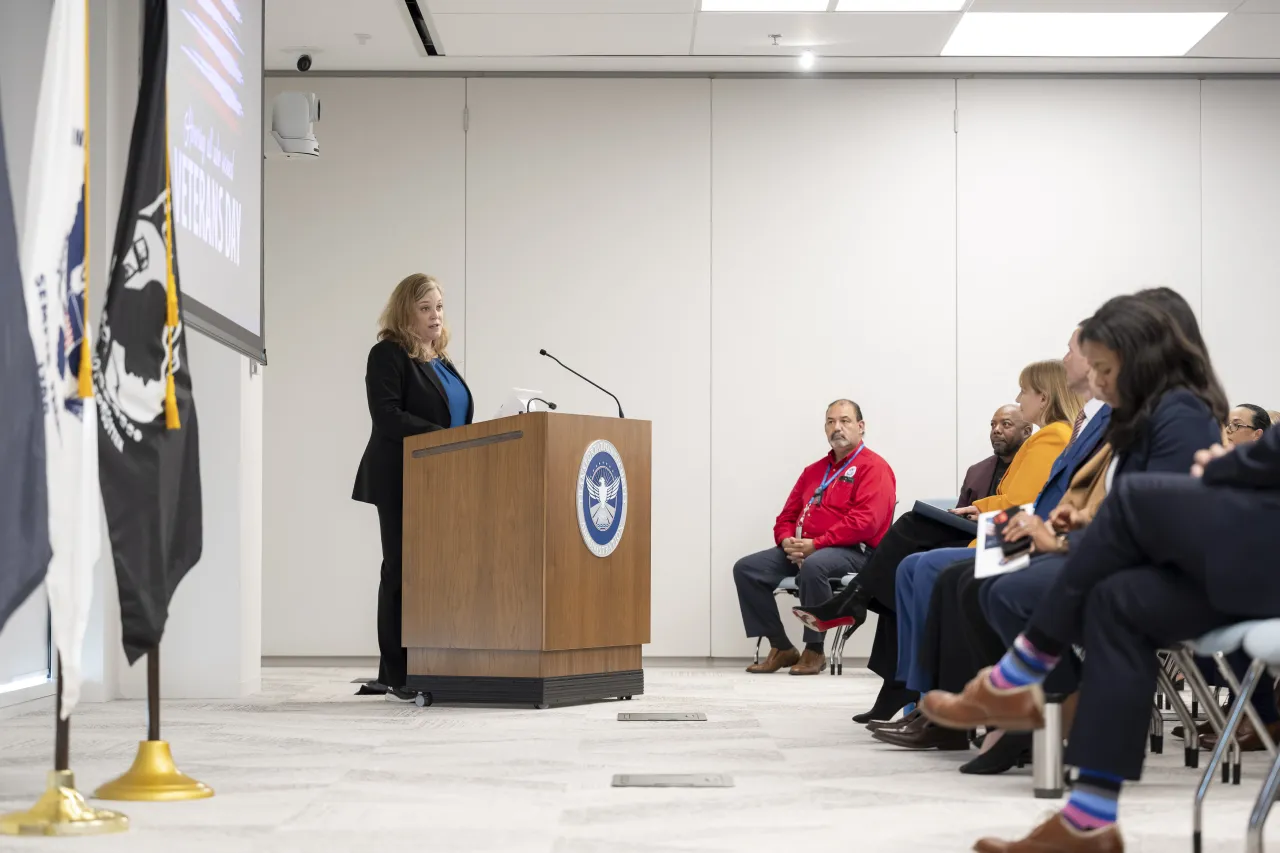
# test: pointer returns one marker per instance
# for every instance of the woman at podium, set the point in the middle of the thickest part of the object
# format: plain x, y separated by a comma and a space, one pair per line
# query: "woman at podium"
413, 387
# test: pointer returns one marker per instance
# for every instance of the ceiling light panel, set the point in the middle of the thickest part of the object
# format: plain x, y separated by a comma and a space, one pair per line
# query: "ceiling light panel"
900, 5
764, 5
1080, 33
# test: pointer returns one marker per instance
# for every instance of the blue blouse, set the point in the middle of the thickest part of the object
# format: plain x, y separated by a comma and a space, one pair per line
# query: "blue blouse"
454, 391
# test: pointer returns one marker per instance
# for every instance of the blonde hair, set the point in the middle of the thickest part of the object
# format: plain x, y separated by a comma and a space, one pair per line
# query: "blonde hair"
398, 318
1050, 379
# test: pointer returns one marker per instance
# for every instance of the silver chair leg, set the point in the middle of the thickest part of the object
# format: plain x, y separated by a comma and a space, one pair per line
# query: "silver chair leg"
1230, 677
1046, 754
1156, 728
1190, 741
1262, 808
1208, 696
1226, 740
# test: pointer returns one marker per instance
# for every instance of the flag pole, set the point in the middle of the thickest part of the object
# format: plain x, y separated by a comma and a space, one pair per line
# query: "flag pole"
61, 810
153, 777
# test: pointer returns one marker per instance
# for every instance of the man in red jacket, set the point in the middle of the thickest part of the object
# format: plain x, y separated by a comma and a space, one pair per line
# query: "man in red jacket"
837, 513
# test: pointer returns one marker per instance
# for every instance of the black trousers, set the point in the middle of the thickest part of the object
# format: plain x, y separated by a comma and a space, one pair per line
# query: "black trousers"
910, 534
958, 641
1135, 583
758, 575
1008, 602
393, 666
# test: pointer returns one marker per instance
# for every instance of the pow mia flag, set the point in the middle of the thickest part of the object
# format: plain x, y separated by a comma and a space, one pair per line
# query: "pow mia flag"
148, 443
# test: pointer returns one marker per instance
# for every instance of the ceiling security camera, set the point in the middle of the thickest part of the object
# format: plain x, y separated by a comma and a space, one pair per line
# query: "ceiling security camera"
304, 62
293, 118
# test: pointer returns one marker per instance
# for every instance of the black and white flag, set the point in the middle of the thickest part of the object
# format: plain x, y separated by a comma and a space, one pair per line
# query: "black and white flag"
148, 443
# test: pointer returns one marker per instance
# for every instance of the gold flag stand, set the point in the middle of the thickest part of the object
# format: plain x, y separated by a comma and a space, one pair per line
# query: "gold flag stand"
153, 777
61, 810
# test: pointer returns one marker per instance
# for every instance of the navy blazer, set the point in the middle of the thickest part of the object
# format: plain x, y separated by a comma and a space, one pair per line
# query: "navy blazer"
1242, 516
1071, 458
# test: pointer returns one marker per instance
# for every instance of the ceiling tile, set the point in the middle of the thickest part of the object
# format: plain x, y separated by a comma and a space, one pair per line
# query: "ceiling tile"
840, 34
1103, 5
550, 34
328, 31
1254, 6
1242, 36
561, 7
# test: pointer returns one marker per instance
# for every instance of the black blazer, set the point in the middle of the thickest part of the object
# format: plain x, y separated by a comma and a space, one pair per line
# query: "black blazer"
405, 398
1241, 516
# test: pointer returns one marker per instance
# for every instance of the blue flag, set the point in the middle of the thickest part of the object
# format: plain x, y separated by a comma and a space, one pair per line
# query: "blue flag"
24, 507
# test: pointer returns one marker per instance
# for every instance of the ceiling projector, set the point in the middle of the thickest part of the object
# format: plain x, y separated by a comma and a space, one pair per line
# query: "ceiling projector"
293, 118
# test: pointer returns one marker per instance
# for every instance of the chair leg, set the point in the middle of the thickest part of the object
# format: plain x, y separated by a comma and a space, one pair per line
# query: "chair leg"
1190, 741
1227, 739
758, 641
1046, 753
1156, 728
1230, 677
1262, 808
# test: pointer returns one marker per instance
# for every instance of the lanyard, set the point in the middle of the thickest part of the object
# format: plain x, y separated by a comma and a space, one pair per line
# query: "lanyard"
830, 477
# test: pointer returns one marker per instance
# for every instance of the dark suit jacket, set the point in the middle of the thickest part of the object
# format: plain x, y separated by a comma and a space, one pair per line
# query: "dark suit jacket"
977, 481
1064, 467
405, 399
1242, 519
1180, 425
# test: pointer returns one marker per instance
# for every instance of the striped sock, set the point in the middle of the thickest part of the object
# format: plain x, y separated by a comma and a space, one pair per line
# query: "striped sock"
1023, 664
1094, 801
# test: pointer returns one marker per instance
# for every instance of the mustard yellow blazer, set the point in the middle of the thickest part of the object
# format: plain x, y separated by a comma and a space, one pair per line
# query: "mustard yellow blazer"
1029, 470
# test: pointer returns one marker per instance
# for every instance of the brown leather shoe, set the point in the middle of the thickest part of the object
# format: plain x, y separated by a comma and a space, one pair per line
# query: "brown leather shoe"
928, 736
1246, 736
1055, 835
776, 661
1020, 709
811, 663
915, 717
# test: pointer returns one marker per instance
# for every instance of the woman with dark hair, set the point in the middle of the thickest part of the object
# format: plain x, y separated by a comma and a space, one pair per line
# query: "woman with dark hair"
1164, 396
1245, 424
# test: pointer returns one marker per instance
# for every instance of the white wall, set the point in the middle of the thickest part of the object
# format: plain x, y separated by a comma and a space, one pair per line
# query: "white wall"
1241, 172
729, 256
386, 199
587, 234
833, 275
1069, 192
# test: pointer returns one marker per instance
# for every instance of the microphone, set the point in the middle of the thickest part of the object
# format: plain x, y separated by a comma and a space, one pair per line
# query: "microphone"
584, 379
550, 405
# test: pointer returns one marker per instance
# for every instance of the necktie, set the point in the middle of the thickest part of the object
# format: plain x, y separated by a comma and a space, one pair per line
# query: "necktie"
1075, 428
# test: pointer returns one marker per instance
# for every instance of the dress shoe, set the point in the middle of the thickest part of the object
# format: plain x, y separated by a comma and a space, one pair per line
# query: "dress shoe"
1055, 835
1018, 709
898, 724
1204, 727
1013, 749
777, 659
891, 699
1246, 737
811, 663
927, 736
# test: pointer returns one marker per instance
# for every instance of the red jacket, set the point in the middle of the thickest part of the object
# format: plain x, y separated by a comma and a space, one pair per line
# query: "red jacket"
856, 508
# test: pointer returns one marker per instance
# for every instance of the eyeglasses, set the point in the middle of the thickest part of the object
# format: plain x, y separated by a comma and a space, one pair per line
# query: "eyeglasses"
1233, 427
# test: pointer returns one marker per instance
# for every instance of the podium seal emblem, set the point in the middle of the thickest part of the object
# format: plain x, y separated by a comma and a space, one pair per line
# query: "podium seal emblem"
602, 498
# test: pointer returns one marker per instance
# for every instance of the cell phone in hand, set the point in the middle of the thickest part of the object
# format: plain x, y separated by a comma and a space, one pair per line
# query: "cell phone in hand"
1001, 521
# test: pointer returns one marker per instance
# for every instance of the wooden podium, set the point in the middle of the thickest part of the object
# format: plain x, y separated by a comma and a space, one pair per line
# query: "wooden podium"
504, 600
